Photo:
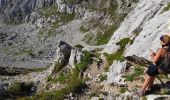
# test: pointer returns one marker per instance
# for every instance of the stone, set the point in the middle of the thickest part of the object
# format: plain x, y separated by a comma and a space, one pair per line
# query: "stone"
138, 19
115, 71
75, 56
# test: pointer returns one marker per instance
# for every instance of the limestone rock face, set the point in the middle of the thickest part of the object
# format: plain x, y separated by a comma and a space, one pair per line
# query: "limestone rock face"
63, 53
75, 57
66, 55
18, 9
136, 20
148, 38
115, 71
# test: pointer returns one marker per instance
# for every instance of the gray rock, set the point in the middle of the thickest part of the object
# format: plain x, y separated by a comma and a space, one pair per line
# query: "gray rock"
63, 53
135, 20
116, 70
75, 57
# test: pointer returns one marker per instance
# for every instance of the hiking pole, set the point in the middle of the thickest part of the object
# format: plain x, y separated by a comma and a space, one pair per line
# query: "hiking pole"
163, 84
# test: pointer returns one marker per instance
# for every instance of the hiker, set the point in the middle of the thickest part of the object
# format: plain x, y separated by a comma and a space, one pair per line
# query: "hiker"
157, 58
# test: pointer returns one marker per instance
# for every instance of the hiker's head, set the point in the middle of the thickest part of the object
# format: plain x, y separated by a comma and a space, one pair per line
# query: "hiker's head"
165, 40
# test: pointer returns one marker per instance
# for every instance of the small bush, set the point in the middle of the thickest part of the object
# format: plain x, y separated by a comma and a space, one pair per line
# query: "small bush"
20, 89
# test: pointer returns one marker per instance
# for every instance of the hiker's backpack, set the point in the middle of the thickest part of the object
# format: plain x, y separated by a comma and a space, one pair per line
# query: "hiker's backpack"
165, 65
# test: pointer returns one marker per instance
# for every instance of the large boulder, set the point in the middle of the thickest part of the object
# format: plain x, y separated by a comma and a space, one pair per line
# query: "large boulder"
116, 70
63, 53
75, 57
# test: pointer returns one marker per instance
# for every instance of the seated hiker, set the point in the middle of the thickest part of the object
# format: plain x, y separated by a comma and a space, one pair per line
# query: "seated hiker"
153, 69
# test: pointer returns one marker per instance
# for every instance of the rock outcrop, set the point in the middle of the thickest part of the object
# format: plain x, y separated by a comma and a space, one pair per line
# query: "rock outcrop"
75, 57
19, 10
116, 70
66, 55
63, 53
145, 12
148, 38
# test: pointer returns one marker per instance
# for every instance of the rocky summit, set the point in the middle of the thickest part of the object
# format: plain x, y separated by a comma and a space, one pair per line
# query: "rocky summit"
80, 49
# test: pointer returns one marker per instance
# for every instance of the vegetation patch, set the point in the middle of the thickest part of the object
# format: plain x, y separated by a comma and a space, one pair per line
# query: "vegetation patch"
74, 85
38, 69
103, 77
135, 75
123, 89
72, 81
49, 11
116, 56
102, 39
84, 29
167, 7
19, 89
26, 51
119, 54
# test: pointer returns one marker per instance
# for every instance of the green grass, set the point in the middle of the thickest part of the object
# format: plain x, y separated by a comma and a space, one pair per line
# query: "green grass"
18, 89
38, 69
122, 43
116, 56
49, 11
137, 72
86, 60
103, 77
102, 39
70, 2
26, 51
119, 54
73, 85
72, 82
84, 29
89, 38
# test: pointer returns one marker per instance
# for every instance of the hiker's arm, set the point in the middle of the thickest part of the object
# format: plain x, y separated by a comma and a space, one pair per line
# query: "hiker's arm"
152, 52
156, 57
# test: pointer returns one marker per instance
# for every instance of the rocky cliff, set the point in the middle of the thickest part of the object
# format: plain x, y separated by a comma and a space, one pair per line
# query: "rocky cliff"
79, 49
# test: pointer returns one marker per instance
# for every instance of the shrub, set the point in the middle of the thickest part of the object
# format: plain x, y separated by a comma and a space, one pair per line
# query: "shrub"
20, 89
